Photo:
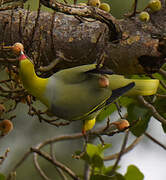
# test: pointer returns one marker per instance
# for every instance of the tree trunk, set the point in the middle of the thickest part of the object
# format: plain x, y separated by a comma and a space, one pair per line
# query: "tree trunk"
87, 35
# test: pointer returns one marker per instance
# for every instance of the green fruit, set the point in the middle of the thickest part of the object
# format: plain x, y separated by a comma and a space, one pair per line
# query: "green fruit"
154, 5
144, 16
105, 7
94, 3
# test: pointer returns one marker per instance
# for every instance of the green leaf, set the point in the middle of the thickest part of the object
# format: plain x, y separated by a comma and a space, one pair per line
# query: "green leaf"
104, 177
101, 177
160, 105
97, 161
133, 173
101, 147
141, 116
2, 177
92, 150
84, 157
106, 112
164, 127
107, 170
124, 101
119, 177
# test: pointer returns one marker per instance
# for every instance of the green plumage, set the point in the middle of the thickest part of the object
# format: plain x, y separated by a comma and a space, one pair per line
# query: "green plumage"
74, 94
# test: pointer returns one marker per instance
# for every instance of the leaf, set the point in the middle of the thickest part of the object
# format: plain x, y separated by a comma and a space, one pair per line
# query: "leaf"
160, 105
97, 161
2, 177
107, 170
106, 112
141, 115
101, 177
164, 127
104, 177
101, 147
84, 157
133, 173
124, 101
119, 177
92, 150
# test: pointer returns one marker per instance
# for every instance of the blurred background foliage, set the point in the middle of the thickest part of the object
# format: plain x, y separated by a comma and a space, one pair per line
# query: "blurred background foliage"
29, 131
118, 7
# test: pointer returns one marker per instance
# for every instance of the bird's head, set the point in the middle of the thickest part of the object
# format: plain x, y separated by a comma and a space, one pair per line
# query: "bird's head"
18, 49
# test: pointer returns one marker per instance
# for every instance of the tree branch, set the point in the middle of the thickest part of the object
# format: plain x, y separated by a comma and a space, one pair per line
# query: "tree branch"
126, 150
152, 109
83, 40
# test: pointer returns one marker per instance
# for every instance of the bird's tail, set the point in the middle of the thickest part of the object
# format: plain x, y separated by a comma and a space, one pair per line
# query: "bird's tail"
144, 87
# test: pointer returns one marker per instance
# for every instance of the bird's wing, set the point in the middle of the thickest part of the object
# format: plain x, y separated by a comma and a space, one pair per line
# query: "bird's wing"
100, 71
74, 75
116, 93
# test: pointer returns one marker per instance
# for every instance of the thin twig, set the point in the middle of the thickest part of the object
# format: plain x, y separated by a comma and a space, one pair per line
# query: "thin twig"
152, 109
120, 153
38, 168
62, 138
62, 175
35, 27
155, 140
161, 95
126, 150
50, 66
86, 171
56, 163
162, 72
26, 155
2, 158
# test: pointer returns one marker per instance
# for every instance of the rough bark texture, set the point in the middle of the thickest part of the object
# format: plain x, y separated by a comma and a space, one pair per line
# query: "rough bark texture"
75, 40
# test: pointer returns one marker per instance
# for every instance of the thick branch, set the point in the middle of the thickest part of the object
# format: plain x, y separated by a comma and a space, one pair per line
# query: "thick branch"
75, 40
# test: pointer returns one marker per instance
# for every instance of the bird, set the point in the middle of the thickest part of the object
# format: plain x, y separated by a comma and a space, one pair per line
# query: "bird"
81, 92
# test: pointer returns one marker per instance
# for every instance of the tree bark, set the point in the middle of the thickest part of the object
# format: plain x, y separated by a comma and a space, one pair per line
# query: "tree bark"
83, 35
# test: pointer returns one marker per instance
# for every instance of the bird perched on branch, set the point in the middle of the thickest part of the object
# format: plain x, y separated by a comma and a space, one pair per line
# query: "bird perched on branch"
80, 93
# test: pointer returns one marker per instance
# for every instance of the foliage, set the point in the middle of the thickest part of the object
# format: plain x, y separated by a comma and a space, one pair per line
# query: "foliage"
2, 177
94, 157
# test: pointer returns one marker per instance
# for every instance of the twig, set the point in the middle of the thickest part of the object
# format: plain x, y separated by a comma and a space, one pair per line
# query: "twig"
61, 138
152, 109
126, 150
38, 168
33, 111
120, 153
87, 11
132, 14
155, 140
56, 163
86, 171
161, 95
58, 169
35, 27
50, 66
162, 72
2, 158
163, 84
26, 155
